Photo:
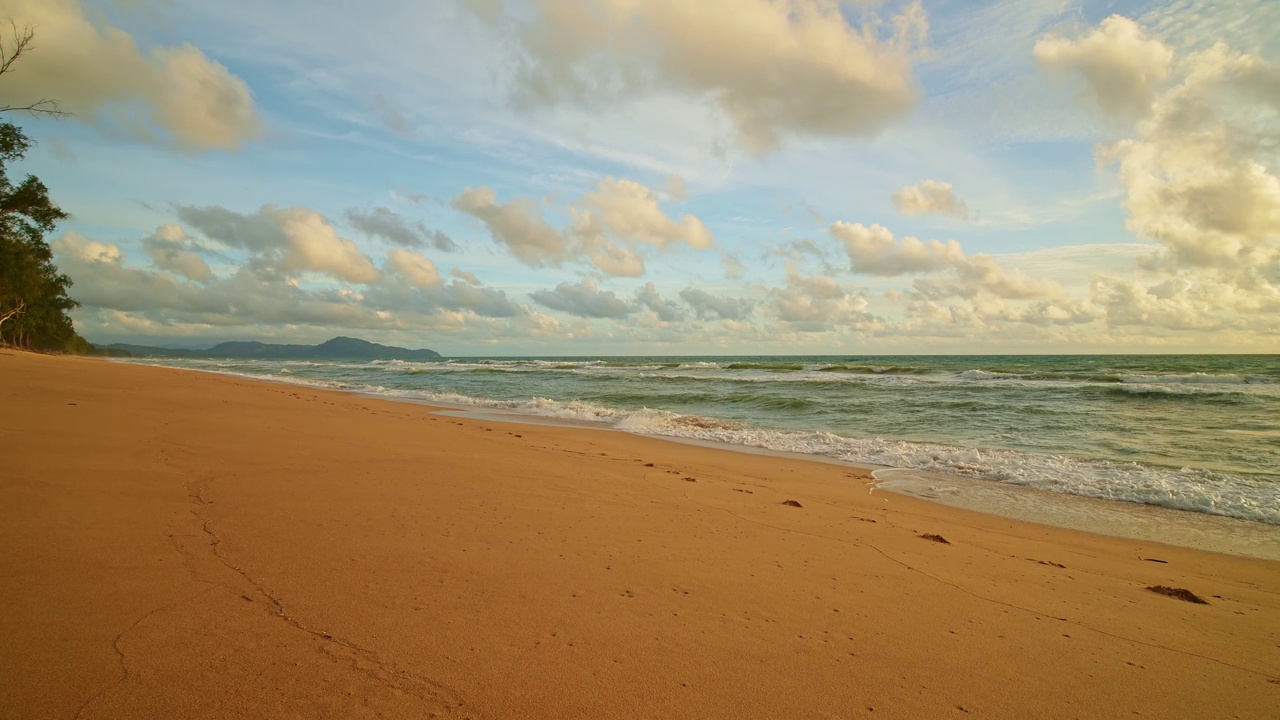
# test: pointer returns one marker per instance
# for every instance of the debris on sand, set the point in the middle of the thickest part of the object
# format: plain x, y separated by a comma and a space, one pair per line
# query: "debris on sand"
936, 538
792, 503
1179, 593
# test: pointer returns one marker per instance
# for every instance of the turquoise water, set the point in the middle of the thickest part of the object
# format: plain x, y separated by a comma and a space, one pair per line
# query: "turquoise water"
1198, 433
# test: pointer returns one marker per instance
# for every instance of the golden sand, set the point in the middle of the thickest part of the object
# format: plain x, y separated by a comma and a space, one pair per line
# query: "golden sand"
185, 545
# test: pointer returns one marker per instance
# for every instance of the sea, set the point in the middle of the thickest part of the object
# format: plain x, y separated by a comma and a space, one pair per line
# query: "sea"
1175, 448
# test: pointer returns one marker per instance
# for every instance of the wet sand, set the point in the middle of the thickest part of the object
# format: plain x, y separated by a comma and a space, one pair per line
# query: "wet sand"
179, 544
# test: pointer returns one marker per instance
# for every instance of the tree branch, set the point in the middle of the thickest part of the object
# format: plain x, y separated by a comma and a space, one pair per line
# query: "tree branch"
22, 307
43, 106
20, 44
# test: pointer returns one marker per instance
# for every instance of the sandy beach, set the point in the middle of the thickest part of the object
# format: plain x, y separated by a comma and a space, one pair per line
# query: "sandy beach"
186, 545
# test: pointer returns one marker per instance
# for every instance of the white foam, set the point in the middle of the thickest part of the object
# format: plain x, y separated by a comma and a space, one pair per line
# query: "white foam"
986, 375
1197, 490
1182, 489
1194, 378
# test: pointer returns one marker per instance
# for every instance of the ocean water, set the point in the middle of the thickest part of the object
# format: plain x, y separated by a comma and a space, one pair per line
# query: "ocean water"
1197, 433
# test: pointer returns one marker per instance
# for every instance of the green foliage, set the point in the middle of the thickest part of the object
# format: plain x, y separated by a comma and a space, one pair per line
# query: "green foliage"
33, 294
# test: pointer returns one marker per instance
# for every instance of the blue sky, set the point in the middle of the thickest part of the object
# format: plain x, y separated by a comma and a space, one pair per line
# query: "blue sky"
747, 176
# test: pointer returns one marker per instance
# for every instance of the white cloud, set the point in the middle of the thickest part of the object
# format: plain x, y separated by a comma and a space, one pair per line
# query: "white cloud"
584, 299
873, 250
314, 245
816, 303
97, 72
256, 232
254, 300
470, 278
666, 310
708, 306
1122, 67
415, 268
75, 245
291, 240
982, 274
170, 250
626, 209
385, 223
611, 227
930, 196
518, 225
429, 297
772, 67
390, 114
733, 267
1198, 170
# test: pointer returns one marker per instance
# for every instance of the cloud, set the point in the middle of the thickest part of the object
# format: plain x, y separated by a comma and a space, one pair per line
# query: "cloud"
626, 209
390, 114
816, 303
117, 297
1198, 174
73, 244
170, 95
429, 297
981, 275
390, 226
254, 232
102, 280
584, 300
170, 250
1122, 67
708, 307
930, 196
314, 245
666, 310
733, 267
518, 225
873, 250
611, 227
1129, 303
772, 67
1197, 168
486, 302
290, 240
676, 188
415, 268
470, 278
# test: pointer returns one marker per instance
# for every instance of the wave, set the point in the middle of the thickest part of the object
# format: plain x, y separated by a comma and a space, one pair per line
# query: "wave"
771, 367
1188, 489
1211, 394
1245, 494
1198, 378
876, 369
1191, 489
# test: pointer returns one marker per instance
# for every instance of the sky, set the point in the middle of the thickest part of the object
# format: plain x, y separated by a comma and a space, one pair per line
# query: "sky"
639, 177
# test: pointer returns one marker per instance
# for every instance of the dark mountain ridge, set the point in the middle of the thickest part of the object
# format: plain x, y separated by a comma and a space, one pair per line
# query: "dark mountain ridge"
339, 348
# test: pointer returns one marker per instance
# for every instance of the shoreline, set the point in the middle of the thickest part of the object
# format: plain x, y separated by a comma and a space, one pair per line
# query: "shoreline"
1119, 518
192, 544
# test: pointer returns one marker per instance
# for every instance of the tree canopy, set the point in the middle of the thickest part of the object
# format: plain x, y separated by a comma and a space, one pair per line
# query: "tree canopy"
33, 294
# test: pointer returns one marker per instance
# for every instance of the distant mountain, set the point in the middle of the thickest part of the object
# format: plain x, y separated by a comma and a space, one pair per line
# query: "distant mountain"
339, 348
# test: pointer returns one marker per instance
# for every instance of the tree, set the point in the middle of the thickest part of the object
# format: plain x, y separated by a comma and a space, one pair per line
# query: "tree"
33, 294
19, 43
